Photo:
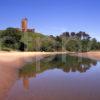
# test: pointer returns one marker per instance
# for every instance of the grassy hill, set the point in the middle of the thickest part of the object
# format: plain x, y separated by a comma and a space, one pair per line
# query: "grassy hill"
13, 39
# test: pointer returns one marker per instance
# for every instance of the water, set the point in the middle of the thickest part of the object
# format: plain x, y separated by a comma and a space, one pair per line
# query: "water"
59, 77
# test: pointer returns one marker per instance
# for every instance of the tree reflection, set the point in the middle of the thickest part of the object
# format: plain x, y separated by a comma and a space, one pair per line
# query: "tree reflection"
64, 62
25, 73
73, 63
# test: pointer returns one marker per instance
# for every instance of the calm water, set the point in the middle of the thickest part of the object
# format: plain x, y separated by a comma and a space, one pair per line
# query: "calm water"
59, 77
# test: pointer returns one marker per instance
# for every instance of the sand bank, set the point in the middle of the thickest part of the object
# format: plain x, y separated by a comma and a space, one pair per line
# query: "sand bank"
92, 55
10, 56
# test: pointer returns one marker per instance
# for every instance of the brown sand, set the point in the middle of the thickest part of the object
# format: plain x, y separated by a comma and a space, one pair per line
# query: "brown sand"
10, 62
10, 56
92, 55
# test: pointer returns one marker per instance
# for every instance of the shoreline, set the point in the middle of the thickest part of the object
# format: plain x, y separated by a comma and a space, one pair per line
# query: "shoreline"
11, 56
11, 61
95, 55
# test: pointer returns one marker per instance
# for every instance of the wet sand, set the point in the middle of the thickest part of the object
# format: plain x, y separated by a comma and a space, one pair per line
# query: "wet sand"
11, 56
8, 75
92, 55
10, 62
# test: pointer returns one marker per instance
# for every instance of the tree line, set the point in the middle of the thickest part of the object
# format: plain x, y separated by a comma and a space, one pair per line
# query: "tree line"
14, 39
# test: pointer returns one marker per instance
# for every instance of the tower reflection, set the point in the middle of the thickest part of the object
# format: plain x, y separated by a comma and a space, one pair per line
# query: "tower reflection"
64, 62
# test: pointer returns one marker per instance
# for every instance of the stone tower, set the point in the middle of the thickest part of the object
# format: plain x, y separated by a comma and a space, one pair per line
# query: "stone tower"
24, 24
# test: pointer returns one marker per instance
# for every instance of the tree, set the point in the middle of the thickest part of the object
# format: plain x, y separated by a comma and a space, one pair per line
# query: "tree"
65, 34
10, 38
73, 34
72, 45
82, 35
79, 35
98, 44
85, 45
94, 44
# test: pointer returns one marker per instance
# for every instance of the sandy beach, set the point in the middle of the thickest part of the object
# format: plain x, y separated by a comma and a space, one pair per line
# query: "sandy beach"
11, 56
92, 55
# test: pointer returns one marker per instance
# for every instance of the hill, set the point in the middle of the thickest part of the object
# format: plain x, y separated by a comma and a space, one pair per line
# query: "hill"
13, 39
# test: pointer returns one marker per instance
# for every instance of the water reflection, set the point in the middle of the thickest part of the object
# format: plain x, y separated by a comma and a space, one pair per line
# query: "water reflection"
64, 62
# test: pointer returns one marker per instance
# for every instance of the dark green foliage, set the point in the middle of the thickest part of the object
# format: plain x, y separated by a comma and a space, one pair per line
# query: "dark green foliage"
94, 44
10, 38
69, 64
72, 45
14, 39
12, 33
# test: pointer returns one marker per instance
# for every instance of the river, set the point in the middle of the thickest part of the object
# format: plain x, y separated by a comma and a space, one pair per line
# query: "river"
58, 77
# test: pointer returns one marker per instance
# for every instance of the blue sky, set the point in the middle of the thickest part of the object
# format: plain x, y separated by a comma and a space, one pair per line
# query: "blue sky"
53, 16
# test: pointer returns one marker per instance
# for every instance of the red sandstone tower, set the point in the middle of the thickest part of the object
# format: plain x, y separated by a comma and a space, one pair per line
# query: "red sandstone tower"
24, 24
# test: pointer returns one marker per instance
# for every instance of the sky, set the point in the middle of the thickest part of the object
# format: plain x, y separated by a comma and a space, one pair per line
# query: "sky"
52, 17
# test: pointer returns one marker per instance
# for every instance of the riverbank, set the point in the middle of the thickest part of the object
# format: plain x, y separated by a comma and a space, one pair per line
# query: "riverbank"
11, 56
10, 62
92, 55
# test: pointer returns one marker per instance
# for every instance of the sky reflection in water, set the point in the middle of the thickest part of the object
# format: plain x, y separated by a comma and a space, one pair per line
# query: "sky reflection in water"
59, 77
